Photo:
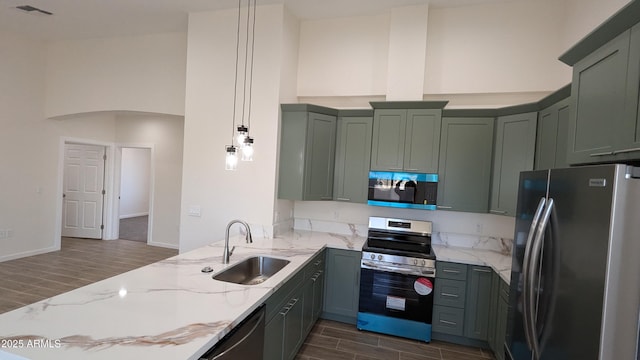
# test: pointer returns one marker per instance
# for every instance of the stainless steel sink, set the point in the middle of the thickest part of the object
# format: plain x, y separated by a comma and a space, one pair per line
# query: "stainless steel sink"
252, 271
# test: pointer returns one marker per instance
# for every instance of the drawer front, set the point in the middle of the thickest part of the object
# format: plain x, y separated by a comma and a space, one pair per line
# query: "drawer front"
316, 264
453, 271
448, 320
450, 293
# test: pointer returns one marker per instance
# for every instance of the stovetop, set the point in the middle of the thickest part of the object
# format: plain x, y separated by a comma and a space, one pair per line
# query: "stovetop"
408, 238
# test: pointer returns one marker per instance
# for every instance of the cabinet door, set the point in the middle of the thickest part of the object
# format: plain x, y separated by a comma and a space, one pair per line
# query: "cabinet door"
514, 152
293, 332
307, 305
476, 316
501, 327
353, 156
274, 338
320, 157
493, 311
387, 149
466, 146
422, 145
630, 135
598, 102
552, 136
318, 294
342, 283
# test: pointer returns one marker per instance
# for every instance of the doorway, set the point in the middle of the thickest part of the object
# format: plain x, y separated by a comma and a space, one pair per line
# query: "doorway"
83, 190
135, 192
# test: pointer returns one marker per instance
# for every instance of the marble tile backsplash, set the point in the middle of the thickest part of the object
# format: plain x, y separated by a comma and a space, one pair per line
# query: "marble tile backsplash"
502, 245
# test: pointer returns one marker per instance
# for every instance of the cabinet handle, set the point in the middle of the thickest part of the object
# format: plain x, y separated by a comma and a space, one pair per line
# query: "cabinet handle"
412, 169
444, 207
451, 271
602, 153
625, 151
481, 270
499, 212
317, 263
343, 199
326, 198
450, 295
395, 168
448, 322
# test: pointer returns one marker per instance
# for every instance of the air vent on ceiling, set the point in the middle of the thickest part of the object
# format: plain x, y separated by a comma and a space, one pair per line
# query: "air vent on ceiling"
29, 8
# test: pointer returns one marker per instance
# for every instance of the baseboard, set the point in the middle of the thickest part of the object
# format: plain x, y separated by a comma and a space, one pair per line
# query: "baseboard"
28, 253
339, 318
460, 340
134, 215
164, 245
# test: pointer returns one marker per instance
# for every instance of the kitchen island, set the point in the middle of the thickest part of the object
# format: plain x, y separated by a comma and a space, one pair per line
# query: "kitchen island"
166, 310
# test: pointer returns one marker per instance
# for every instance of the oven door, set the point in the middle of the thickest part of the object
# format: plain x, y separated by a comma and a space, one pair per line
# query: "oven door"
397, 302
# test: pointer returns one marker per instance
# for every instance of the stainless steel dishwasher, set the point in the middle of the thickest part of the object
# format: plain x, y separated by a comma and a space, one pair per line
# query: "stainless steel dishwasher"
245, 341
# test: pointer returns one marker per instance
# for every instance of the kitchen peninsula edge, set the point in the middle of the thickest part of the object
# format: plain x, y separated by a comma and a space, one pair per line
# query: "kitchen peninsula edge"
166, 310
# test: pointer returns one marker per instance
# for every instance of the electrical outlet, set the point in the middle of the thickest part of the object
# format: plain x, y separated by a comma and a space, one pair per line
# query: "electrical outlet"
3, 234
195, 211
479, 229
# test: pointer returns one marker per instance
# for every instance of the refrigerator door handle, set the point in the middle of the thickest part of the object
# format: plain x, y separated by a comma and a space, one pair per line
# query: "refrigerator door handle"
533, 279
526, 265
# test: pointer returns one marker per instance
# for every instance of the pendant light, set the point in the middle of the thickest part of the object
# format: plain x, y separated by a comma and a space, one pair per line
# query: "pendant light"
244, 143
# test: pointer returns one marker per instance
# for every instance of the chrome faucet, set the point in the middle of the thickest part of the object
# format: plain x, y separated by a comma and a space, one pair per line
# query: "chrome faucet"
227, 253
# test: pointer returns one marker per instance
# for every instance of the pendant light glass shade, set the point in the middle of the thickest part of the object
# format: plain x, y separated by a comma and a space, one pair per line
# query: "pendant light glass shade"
231, 159
247, 149
243, 131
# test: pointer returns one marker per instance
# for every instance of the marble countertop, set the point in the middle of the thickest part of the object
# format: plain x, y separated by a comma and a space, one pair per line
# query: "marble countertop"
170, 309
499, 262
166, 310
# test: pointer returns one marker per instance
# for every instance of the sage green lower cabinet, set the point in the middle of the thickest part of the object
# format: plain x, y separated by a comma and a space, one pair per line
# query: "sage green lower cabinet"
307, 152
553, 132
342, 285
476, 322
514, 152
353, 155
292, 310
466, 153
470, 306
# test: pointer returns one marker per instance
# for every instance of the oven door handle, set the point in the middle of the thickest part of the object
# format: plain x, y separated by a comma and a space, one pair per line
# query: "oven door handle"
394, 269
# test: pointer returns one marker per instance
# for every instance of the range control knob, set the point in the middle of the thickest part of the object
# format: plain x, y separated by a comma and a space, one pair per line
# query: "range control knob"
380, 257
424, 263
373, 256
415, 261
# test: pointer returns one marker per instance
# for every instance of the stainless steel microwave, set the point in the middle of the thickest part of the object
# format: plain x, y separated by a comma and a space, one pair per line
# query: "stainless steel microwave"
403, 190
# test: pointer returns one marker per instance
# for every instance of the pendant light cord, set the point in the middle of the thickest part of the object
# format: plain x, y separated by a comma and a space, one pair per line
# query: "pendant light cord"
246, 61
253, 41
235, 86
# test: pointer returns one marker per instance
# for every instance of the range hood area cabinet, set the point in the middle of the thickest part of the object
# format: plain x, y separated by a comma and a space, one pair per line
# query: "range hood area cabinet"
307, 152
406, 136
604, 123
353, 155
466, 152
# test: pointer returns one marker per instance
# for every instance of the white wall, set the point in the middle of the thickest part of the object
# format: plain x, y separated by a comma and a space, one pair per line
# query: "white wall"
138, 73
585, 15
135, 170
164, 134
247, 193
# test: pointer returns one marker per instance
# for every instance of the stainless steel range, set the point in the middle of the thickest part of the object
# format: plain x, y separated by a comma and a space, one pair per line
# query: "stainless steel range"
397, 276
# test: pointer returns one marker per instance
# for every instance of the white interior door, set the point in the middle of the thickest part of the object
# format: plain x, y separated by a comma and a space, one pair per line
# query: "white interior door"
83, 186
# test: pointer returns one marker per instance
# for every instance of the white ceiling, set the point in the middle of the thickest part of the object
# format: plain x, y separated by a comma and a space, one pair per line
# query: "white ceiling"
81, 19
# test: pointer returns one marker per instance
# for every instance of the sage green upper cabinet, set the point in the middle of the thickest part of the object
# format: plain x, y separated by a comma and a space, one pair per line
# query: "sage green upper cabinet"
406, 136
307, 152
466, 146
353, 155
603, 122
553, 131
514, 152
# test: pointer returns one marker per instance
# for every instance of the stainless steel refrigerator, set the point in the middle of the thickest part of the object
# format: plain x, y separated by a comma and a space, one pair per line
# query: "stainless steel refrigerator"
575, 279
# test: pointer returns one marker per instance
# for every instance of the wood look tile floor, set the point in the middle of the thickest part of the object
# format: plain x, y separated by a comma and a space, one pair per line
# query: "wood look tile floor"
79, 262
330, 340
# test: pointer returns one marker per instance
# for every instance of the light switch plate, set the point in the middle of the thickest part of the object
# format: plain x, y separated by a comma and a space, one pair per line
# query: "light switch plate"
194, 211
